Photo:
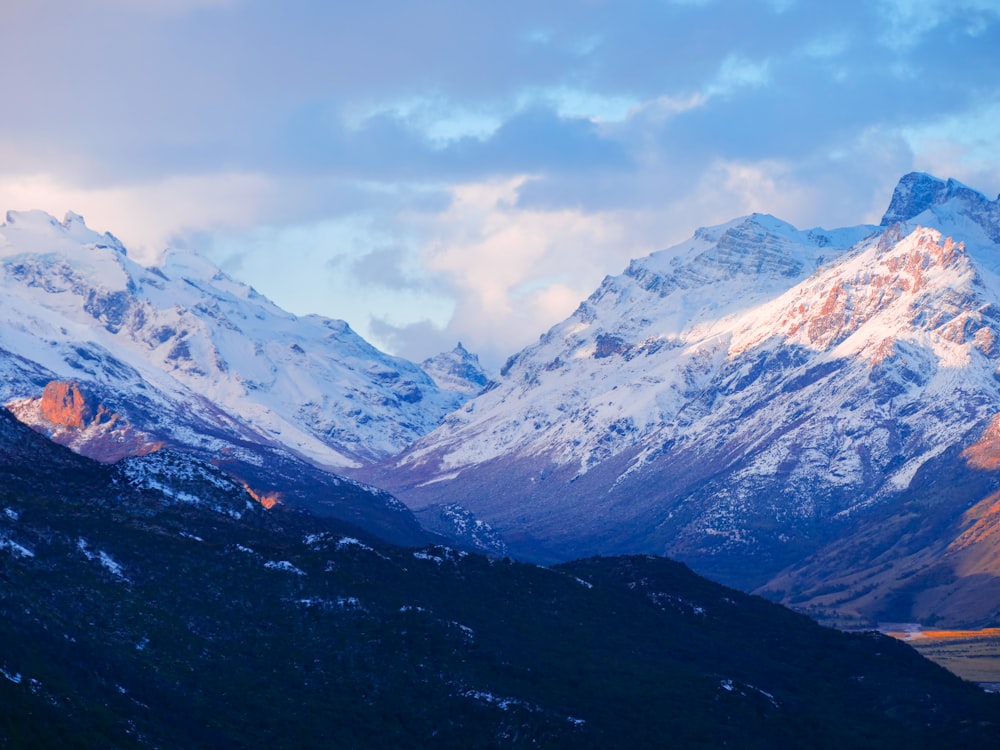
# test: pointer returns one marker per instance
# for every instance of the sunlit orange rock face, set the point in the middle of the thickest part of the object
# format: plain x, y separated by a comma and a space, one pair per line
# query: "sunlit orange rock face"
63, 403
978, 546
67, 414
985, 453
267, 499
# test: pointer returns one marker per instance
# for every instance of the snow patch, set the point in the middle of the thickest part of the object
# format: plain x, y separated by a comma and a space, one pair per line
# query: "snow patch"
108, 562
350, 541
14, 677
731, 686
504, 704
341, 602
284, 565
425, 556
17, 550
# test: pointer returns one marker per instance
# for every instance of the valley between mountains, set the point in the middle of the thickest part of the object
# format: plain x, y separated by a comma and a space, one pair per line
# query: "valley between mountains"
264, 522
811, 414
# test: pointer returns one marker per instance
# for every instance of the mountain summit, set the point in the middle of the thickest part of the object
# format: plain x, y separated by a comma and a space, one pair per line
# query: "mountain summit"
458, 370
921, 197
752, 399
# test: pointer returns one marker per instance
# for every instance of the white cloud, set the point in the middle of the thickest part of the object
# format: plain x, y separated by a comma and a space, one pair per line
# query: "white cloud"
664, 107
515, 271
572, 101
907, 21
963, 145
737, 72
438, 117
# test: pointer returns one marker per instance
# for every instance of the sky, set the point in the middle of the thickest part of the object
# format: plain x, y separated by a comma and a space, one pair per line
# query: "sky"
445, 170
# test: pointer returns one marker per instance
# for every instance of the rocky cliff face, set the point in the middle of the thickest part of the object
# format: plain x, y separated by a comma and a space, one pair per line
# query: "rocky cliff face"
64, 404
70, 415
924, 198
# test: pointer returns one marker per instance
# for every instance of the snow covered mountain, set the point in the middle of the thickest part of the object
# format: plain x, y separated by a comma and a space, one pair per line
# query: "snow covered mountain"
746, 399
75, 307
115, 359
458, 370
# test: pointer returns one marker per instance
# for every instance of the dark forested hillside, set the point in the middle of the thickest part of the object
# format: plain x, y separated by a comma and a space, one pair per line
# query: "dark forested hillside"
156, 605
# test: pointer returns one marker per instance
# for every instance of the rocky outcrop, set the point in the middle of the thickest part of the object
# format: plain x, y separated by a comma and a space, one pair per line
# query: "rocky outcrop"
65, 404
918, 194
68, 414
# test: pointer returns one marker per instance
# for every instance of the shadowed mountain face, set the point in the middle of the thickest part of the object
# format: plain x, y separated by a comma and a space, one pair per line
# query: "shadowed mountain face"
756, 398
153, 603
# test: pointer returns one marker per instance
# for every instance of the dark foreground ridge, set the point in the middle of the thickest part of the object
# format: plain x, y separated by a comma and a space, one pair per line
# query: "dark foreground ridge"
161, 609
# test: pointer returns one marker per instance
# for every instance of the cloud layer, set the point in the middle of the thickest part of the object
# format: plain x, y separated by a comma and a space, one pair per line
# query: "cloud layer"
451, 170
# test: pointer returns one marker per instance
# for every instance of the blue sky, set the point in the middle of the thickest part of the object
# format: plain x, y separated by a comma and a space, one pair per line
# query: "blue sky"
449, 170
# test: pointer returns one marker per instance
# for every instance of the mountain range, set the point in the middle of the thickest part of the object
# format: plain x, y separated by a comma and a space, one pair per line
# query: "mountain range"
809, 414
114, 359
202, 501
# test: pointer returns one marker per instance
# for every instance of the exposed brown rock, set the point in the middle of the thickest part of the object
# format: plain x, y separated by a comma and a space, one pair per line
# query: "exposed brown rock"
68, 415
64, 403
985, 452
267, 499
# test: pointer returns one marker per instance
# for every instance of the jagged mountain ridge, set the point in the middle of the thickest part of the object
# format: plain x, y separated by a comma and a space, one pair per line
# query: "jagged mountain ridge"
457, 370
156, 588
741, 400
219, 356
114, 359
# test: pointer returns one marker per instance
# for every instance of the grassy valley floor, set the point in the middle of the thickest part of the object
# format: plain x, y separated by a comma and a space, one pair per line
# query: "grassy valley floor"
971, 654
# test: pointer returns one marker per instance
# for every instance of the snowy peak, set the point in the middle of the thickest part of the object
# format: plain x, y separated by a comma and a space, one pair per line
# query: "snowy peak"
676, 297
922, 284
917, 192
947, 205
38, 231
742, 397
208, 358
756, 244
457, 370
759, 247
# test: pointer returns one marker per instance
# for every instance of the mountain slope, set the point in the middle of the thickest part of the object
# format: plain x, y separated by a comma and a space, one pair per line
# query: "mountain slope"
153, 604
114, 360
744, 399
194, 356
